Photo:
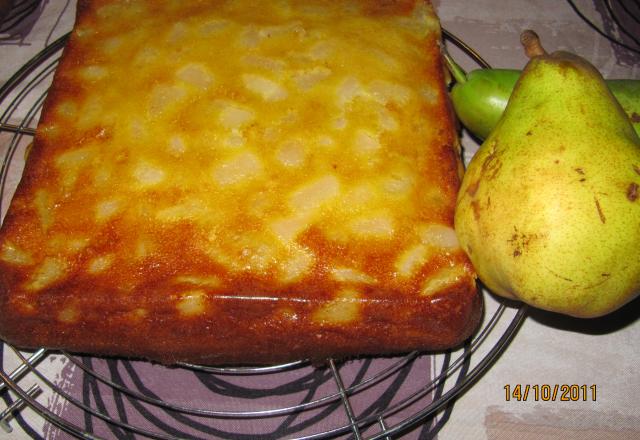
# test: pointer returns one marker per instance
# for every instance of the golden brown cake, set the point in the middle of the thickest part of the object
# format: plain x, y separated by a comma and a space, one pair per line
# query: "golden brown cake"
217, 182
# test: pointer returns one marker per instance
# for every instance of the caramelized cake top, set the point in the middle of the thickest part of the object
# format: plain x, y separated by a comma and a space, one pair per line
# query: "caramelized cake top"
299, 149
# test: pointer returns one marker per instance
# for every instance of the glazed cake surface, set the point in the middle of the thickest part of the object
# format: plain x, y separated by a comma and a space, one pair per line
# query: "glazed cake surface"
226, 183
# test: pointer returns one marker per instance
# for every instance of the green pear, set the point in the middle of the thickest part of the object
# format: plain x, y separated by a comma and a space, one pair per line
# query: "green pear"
549, 207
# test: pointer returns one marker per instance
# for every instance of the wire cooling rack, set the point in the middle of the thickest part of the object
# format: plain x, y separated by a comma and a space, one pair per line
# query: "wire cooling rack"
19, 12
91, 397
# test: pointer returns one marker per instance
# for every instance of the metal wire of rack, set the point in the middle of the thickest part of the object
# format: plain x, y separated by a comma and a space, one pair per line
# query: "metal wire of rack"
372, 398
20, 10
621, 20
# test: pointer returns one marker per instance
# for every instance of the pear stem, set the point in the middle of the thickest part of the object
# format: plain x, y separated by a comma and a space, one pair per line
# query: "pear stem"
531, 43
458, 72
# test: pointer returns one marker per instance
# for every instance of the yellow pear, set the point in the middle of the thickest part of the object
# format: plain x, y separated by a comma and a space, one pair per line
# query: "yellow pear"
549, 208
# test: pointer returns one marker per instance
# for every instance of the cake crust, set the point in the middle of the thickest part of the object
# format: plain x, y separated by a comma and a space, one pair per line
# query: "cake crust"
224, 185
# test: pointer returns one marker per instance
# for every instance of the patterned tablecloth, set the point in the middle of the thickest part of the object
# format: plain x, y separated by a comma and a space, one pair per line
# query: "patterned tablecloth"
595, 361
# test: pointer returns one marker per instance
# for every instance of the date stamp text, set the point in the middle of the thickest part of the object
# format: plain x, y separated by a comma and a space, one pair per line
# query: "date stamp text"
550, 392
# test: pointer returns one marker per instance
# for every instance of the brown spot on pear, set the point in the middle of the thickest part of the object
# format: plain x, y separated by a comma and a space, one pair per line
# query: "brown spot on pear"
475, 205
473, 188
603, 219
632, 192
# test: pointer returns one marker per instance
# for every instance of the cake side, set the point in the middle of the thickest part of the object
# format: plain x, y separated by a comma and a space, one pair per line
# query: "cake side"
221, 184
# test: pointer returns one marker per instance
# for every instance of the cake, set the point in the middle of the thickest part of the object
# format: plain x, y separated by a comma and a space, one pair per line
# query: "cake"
220, 183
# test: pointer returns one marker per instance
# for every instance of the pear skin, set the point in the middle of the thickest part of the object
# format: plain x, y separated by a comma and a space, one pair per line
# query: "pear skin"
549, 207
